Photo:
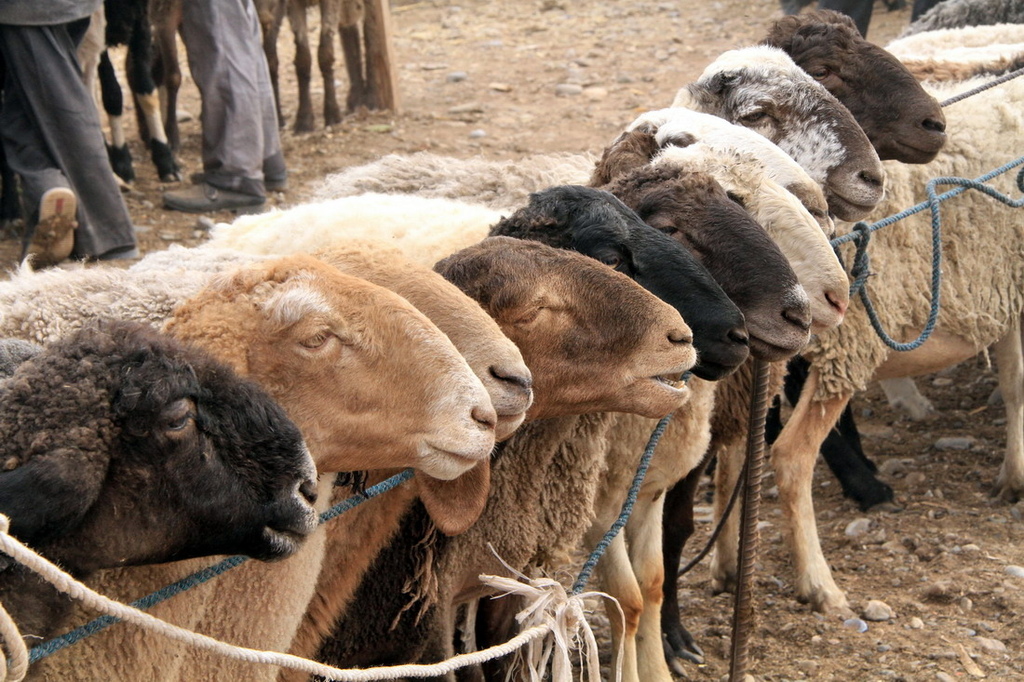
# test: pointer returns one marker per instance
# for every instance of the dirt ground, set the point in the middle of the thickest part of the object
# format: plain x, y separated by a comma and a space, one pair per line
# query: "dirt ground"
482, 78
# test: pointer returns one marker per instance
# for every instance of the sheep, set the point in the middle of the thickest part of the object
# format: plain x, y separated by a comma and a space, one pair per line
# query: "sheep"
588, 220
961, 53
761, 88
982, 303
13, 352
902, 120
522, 466
120, 443
960, 13
743, 85
418, 363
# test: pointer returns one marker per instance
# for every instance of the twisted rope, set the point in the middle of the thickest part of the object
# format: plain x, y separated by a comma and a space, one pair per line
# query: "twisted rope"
17, 668
982, 88
201, 576
862, 232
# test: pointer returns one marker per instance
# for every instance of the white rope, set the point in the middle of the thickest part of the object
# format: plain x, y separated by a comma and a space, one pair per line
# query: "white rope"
17, 668
568, 617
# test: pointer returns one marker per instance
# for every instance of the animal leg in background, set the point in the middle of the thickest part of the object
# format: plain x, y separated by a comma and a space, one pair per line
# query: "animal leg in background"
303, 66
902, 394
1010, 482
166, 69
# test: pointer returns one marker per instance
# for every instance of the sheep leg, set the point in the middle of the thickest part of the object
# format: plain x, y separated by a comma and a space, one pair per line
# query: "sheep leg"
724, 560
617, 579
167, 69
271, 15
358, 88
677, 528
303, 65
140, 80
902, 394
643, 533
113, 103
329, 17
793, 457
1009, 362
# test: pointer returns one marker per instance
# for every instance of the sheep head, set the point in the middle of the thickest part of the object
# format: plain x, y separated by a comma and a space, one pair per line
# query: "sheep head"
594, 339
596, 224
123, 447
902, 121
372, 383
495, 360
760, 88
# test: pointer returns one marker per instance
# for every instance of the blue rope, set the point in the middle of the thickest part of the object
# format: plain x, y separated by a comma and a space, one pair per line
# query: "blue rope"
627, 508
862, 232
201, 576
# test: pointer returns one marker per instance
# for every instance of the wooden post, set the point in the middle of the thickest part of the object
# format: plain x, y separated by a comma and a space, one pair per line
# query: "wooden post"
381, 77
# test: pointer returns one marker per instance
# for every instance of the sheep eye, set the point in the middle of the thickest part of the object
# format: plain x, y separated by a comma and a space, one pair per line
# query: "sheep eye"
316, 341
754, 117
820, 73
611, 261
181, 423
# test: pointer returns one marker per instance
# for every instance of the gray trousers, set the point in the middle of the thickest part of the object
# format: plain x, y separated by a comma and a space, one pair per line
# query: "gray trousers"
51, 134
239, 119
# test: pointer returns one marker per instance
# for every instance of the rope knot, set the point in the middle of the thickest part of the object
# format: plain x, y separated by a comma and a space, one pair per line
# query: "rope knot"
549, 604
861, 268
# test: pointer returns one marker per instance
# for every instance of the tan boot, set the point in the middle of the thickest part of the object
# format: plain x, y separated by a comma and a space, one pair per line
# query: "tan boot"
54, 237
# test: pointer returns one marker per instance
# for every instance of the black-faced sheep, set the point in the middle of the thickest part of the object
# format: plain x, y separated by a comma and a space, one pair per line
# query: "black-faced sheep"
123, 447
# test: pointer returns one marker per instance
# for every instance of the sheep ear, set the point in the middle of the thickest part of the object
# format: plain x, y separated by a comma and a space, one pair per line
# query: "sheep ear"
632, 149
718, 83
455, 505
51, 493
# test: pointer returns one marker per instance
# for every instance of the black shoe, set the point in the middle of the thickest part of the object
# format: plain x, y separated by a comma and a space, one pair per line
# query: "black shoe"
203, 198
271, 184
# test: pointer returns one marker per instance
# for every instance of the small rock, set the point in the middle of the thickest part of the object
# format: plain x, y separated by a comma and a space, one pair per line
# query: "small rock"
916, 478
183, 115
916, 623
858, 527
477, 134
568, 89
169, 237
500, 87
809, 668
965, 604
468, 108
942, 381
1015, 571
943, 677
595, 93
204, 223
989, 645
624, 79
954, 443
855, 624
877, 611
893, 468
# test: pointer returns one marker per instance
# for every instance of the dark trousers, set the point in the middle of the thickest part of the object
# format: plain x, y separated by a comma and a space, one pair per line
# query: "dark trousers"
858, 10
50, 131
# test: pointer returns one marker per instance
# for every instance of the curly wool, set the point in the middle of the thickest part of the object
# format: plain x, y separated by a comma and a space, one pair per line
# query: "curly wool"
982, 243
960, 13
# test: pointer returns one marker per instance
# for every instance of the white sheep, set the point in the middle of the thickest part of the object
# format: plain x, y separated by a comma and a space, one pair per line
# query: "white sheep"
961, 53
757, 87
982, 300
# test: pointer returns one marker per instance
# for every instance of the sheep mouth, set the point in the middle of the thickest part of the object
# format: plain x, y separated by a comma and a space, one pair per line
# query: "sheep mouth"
846, 209
770, 352
446, 465
673, 382
281, 542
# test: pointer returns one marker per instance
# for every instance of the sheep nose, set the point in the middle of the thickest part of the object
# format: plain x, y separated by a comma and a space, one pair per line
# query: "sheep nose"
738, 335
515, 376
680, 336
870, 177
798, 315
308, 490
836, 302
485, 416
934, 125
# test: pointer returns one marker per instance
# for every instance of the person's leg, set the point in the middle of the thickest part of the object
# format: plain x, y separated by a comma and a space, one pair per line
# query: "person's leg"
858, 10
51, 134
225, 55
